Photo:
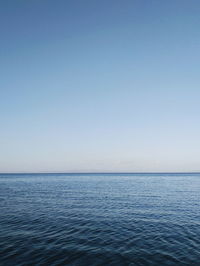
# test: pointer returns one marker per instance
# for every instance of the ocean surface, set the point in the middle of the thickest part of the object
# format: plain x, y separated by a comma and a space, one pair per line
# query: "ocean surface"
99, 219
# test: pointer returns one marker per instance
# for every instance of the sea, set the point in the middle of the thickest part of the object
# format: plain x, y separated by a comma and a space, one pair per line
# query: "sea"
100, 219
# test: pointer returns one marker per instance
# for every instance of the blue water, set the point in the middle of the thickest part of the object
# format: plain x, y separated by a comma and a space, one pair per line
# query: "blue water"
100, 219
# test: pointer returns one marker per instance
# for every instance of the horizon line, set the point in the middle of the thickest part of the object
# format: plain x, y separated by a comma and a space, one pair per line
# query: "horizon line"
190, 172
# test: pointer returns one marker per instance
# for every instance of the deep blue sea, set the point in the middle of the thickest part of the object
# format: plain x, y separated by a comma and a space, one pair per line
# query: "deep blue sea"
99, 219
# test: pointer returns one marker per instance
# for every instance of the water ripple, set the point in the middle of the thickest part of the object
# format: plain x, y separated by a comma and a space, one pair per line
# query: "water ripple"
100, 219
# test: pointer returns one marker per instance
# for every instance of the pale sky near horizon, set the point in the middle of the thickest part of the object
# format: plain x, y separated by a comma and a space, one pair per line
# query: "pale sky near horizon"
100, 86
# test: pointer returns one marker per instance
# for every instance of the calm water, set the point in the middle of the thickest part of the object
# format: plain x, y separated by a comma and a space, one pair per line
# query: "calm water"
100, 219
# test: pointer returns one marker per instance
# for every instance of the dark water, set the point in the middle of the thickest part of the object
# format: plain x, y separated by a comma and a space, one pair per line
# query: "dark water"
100, 219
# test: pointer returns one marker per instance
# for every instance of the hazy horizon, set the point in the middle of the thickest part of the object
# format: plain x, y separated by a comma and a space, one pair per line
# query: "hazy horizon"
99, 86
95, 173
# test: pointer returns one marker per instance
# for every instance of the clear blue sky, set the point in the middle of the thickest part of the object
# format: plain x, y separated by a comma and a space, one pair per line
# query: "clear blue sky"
103, 85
